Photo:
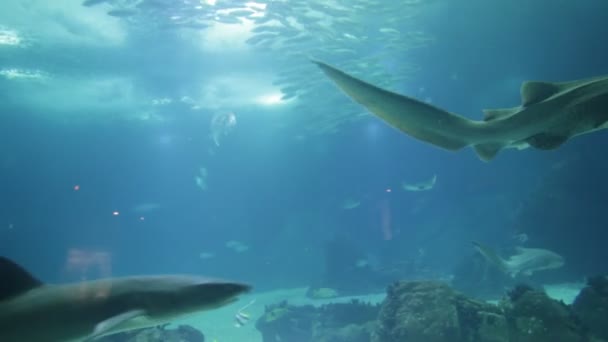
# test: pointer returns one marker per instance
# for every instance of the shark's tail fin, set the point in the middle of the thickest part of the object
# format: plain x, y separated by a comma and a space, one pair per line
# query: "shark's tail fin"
491, 255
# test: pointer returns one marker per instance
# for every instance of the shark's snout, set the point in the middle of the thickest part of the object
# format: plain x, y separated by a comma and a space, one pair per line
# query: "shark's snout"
219, 293
134, 302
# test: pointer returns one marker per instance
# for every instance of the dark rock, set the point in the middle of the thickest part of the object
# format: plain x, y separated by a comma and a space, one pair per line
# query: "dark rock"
591, 305
347, 333
348, 322
518, 291
433, 312
183, 333
535, 317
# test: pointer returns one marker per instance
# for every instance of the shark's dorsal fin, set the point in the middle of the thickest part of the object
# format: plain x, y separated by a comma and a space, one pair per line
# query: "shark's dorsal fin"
535, 91
14, 279
498, 114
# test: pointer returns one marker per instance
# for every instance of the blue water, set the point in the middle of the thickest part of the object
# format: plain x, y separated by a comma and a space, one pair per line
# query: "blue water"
74, 148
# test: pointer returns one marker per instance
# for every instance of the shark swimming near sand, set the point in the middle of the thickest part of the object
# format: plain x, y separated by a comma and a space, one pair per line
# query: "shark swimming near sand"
525, 261
550, 114
33, 311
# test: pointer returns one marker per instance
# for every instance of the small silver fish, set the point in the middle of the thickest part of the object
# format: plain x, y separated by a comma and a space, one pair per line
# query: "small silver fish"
241, 318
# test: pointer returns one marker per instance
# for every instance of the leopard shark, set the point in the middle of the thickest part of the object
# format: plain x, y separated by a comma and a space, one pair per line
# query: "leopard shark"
550, 114
84, 311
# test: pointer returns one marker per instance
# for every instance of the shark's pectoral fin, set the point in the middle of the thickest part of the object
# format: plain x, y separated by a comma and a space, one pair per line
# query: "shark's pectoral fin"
547, 141
488, 151
114, 323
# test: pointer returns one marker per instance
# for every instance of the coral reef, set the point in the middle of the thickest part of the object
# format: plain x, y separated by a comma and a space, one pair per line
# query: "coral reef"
341, 322
433, 312
183, 333
284, 322
534, 317
429, 311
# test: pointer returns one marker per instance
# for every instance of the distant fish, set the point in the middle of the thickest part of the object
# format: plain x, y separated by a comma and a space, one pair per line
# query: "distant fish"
362, 263
206, 255
526, 261
420, 186
201, 179
242, 13
145, 207
227, 19
389, 30
89, 3
237, 246
521, 237
121, 13
350, 203
324, 293
370, 261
